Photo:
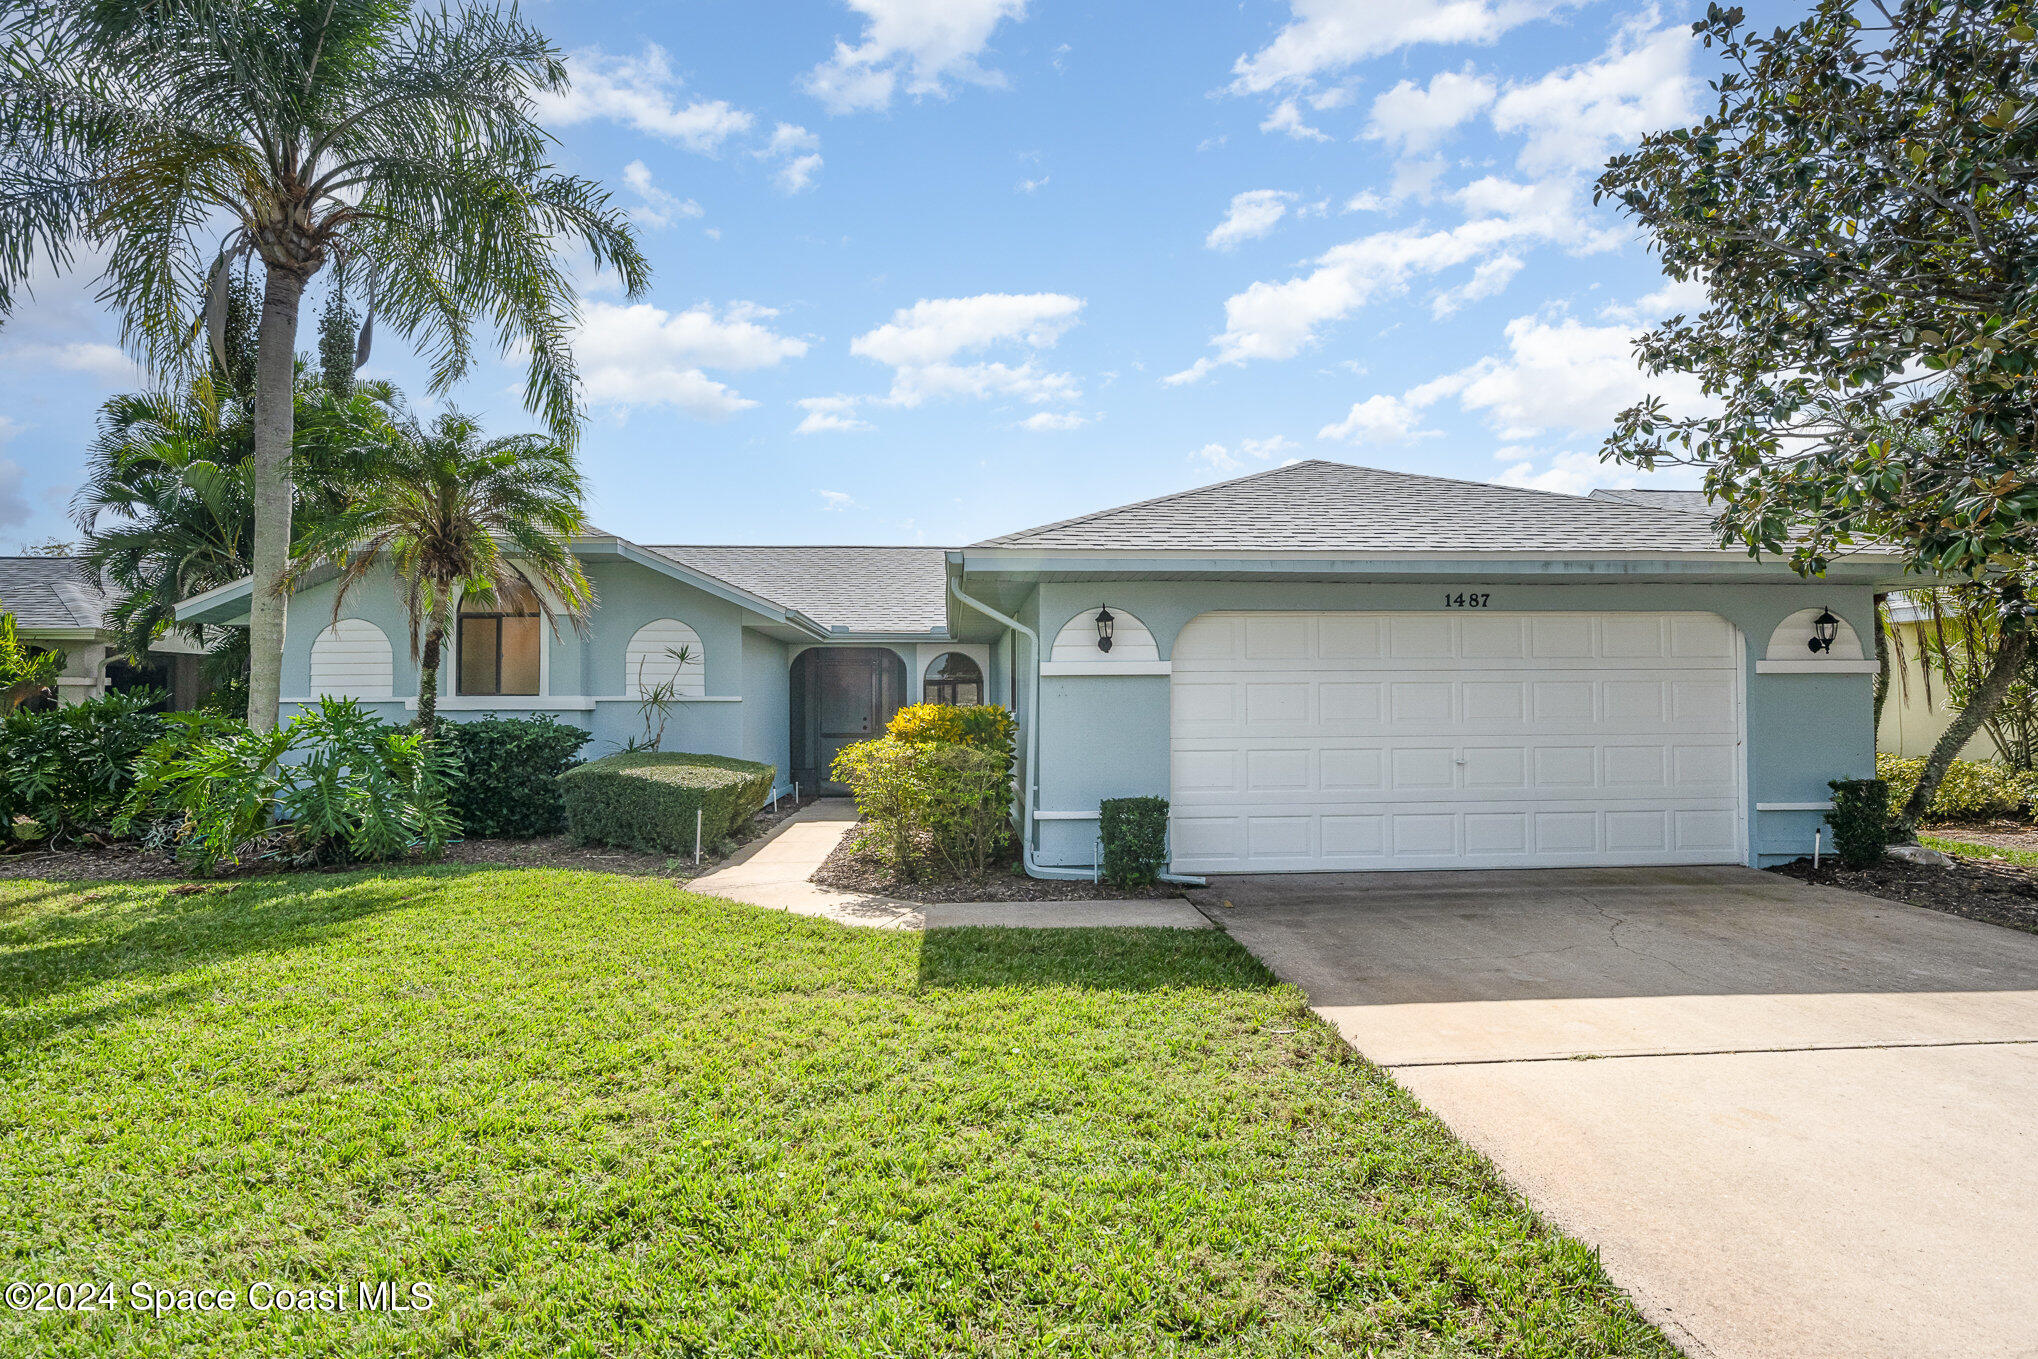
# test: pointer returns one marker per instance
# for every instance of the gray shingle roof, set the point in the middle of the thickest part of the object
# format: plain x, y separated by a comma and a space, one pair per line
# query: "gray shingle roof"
1687, 502
50, 592
864, 589
1332, 506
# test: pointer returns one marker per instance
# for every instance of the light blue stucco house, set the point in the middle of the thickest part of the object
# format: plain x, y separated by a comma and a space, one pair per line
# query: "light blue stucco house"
1325, 667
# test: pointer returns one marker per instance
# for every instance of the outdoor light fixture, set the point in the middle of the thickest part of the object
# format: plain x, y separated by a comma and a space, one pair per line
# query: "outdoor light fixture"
1824, 629
1105, 624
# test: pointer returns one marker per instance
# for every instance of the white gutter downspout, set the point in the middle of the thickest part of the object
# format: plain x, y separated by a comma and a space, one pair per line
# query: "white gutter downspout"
1029, 785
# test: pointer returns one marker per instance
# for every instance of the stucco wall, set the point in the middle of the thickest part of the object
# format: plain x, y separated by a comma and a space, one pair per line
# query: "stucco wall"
1108, 736
585, 684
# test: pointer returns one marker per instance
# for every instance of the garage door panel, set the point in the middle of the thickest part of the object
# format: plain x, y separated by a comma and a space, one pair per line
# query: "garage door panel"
1434, 741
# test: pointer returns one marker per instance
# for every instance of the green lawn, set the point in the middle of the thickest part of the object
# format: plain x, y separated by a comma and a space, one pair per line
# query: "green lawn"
2025, 857
602, 1116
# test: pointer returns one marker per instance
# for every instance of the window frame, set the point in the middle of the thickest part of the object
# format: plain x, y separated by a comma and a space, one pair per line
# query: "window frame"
496, 613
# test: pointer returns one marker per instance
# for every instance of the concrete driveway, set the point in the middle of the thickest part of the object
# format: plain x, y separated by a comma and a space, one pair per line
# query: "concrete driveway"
1796, 1122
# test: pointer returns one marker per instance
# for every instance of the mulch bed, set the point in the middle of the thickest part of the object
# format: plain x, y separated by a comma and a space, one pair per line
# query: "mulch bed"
129, 862
1976, 889
853, 872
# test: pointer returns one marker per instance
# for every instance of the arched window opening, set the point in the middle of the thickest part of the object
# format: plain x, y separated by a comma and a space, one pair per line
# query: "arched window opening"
954, 679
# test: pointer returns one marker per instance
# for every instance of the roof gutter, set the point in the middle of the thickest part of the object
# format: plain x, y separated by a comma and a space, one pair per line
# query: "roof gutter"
1029, 786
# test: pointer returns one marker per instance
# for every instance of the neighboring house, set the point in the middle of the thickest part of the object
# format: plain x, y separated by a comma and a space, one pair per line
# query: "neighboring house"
57, 607
1323, 666
1914, 715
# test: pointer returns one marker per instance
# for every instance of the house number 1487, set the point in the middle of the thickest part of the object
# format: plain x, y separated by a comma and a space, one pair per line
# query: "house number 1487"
1466, 601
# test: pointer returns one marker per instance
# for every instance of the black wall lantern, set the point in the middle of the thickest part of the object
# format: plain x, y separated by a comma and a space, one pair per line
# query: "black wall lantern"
1106, 624
1824, 629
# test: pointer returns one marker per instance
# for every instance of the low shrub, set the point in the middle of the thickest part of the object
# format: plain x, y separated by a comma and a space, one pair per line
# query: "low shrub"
508, 782
937, 806
1135, 835
66, 771
985, 725
647, 799
335, 784
1862, 829
1971, 789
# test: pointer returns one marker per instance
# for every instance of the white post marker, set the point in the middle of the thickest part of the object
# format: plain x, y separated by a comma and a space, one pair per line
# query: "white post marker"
1818, 839
697, 835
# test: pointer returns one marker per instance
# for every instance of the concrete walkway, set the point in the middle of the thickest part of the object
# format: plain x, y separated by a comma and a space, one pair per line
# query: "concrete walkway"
774, 872
1798, 1123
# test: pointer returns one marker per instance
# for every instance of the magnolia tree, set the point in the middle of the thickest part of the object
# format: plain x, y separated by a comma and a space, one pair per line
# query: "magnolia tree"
167, 139
1859, 207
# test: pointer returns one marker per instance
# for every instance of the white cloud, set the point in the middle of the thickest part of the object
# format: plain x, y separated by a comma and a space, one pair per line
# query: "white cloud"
922, 343
1570, 473
1027, 381
1033, 185
1561, 374
659, 208
642, 355
1248, 452
1489, 279
1573, 118
14, 507
1380, 420
105, 362
1053, 422
921, 46
835, 500
934, 330
1287, 117
1253, 214
1326, 36
641, 92
830, 415
798, 153
1676, 297
1279, 320
1410, 118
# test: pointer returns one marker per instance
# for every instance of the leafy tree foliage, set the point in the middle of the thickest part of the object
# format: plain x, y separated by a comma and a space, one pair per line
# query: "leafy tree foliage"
24, 677
167, 509
1859, 206
318, 129
448, 511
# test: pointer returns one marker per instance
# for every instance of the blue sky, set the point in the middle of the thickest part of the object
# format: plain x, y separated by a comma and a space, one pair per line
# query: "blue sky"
933, 270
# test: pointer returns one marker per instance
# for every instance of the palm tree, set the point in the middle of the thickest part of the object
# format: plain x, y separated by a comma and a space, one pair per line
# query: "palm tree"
310, 131
167, 507
447, 512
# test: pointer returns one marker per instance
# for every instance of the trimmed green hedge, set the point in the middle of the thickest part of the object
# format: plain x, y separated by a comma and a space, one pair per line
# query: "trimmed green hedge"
647, 799
509, 773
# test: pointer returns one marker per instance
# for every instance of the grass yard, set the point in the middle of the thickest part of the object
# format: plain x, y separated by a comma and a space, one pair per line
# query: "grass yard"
602, 1116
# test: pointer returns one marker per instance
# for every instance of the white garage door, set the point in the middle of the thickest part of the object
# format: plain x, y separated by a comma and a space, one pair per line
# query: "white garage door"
1358, 741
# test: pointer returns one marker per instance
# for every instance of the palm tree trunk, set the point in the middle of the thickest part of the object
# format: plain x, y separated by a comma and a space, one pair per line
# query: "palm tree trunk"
275, 377
2010, 652
428, 673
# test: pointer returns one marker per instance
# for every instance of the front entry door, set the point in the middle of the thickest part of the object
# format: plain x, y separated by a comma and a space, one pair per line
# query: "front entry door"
850, 694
